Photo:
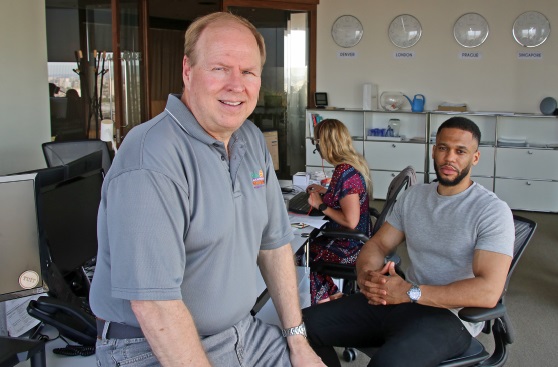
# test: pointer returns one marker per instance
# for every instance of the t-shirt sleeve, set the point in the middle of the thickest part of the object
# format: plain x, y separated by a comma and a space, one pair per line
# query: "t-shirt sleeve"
147, 216
496, 230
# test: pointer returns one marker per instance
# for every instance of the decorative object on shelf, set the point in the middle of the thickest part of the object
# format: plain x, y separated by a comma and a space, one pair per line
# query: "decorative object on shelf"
417, 104
549, 106
470, 30
404, 31
347, 31
531, 29
453, 107
395, 125
392, 101
94, 100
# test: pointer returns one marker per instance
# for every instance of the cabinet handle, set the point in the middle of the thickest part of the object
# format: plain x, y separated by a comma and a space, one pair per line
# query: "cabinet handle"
393, 175
529, 152
528, 183
393, 145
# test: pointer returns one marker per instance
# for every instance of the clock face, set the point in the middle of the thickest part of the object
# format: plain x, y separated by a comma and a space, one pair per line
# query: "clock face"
531, 29
347, 31
470, 30
404, 31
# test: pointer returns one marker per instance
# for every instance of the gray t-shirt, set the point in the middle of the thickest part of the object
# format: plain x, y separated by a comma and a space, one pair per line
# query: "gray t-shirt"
179, 219
442, 232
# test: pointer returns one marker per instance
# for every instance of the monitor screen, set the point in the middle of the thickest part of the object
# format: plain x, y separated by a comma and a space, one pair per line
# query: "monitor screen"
20, 261
69, 220
48, 176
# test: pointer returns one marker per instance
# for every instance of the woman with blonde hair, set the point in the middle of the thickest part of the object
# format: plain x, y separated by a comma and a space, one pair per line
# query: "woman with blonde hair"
345, 202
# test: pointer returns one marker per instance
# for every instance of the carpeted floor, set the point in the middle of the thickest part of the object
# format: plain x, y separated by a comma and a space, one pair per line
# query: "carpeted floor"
532, 299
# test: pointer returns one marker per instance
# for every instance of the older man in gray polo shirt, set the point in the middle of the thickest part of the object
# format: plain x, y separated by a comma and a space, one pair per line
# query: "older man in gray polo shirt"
190, 208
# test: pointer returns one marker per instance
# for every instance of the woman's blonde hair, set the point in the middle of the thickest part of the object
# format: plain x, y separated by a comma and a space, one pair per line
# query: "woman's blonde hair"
336, 147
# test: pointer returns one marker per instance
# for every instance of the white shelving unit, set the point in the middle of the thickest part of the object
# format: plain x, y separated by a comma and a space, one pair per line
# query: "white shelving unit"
386, 158
519, 152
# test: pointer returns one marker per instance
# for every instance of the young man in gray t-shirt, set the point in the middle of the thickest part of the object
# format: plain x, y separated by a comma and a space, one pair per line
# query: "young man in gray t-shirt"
460, 240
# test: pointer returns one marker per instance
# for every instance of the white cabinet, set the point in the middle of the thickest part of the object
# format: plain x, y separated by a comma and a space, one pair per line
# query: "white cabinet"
518, 160
526, 164
386, 156
528, 194
394, 156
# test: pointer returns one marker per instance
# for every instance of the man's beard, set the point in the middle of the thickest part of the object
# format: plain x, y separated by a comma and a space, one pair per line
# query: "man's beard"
460, 176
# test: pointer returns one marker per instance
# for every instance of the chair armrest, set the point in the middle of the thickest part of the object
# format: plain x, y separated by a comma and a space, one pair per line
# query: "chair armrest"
344, 233
374, 212
479, 314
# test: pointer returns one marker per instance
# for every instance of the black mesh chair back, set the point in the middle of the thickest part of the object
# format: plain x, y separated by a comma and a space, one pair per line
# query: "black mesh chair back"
59, 153
497, 317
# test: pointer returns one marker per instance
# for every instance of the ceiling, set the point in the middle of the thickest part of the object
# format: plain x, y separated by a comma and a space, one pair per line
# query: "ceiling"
168, 9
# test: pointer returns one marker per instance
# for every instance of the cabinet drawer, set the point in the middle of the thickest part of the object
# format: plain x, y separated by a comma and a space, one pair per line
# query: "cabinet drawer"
527, 163
485, 167
528, 195
394, 156
382, 179
487, 182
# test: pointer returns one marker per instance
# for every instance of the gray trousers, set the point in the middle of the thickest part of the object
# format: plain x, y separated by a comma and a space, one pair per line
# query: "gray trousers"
249, 343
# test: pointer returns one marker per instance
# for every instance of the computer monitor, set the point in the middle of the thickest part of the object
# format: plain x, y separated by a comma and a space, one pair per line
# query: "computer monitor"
20, 260
87, 163
68, 215
48, 176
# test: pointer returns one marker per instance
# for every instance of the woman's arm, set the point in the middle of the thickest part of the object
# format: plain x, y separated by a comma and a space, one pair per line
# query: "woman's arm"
349, 214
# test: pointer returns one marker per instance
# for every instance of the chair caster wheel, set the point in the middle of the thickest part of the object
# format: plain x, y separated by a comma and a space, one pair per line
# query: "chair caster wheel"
349, 354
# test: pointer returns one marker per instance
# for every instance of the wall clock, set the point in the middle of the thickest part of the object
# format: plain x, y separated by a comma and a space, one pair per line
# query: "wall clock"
470, 30
531, 29
347, 31
404, 31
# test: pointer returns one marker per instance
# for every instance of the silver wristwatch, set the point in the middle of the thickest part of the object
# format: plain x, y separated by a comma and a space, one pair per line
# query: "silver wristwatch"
414, 293
297, 330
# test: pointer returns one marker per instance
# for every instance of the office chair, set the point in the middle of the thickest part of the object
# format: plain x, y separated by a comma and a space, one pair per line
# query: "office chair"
496, 319
62, 152
347, 272
405, 179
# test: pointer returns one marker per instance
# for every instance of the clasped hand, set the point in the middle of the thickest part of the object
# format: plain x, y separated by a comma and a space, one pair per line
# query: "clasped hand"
383, 287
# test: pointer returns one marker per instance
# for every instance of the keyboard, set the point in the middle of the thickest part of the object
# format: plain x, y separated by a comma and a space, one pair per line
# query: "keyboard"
299, 204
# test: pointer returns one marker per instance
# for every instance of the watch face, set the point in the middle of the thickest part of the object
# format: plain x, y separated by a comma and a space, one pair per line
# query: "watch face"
347, 31
404, 31
470, 30
531, 29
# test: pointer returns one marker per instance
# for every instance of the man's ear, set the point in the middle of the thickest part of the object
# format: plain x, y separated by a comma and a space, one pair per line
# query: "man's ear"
186, 69
476, 157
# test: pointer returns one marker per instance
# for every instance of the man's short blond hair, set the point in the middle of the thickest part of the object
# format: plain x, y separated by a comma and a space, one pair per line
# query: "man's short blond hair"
194, 31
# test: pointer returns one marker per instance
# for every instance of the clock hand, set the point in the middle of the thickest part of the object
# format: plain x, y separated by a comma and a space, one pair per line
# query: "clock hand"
403, 24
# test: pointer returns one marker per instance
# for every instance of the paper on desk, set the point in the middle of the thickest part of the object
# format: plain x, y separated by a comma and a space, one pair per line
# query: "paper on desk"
17, 318
312, 221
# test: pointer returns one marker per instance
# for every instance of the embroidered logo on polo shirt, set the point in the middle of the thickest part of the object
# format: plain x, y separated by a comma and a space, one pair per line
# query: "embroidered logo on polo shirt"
258, 179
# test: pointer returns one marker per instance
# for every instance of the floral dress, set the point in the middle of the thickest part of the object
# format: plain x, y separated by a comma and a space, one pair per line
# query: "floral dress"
346, 180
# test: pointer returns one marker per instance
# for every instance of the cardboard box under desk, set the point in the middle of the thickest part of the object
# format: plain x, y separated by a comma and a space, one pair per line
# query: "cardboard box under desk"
272, 141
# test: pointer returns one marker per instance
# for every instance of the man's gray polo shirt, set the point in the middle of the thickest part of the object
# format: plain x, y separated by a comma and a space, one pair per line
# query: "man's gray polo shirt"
180, 220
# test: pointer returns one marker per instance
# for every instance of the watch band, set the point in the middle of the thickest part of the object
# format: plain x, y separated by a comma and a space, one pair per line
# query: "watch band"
297, 330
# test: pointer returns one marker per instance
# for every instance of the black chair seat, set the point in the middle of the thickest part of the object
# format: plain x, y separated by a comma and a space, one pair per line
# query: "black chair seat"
473, 355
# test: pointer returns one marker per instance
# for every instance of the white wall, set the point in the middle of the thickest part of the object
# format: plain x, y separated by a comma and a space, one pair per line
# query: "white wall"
499, 81
24, 102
